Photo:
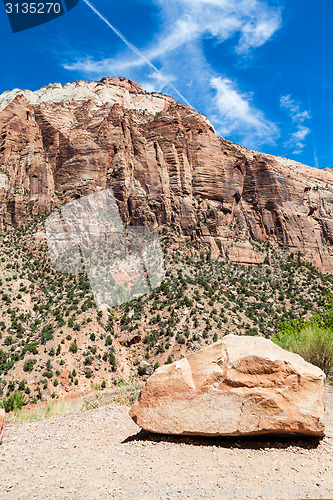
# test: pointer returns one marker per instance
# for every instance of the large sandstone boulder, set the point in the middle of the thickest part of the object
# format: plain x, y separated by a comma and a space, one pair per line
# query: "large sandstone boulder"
2, 423
238, 386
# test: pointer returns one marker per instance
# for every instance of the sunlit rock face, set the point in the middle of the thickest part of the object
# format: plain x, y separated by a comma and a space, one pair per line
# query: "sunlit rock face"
165, 165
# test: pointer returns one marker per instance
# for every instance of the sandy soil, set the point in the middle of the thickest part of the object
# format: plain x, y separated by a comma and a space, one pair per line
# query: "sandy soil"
102, 454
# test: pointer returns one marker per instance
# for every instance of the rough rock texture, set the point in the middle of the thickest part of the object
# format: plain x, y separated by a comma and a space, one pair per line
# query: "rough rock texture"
129, 339
166, 166
2, 424
237, 386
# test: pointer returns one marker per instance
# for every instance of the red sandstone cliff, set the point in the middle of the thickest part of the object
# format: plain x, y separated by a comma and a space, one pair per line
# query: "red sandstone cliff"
166, 166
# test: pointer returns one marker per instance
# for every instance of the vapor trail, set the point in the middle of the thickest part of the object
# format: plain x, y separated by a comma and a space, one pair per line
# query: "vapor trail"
315, 153
133, 48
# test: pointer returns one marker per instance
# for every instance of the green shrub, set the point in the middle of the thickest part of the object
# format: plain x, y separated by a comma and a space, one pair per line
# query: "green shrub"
13, 402
28, 365
313, 343
142, 370
73, 347
169, 360
22, 385
112, 360
108, 340
30, 348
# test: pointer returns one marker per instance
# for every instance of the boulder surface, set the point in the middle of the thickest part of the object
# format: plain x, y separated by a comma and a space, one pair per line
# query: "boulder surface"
240, 385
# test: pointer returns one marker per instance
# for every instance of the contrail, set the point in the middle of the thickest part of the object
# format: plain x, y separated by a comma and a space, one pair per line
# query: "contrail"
134, 48
315, 153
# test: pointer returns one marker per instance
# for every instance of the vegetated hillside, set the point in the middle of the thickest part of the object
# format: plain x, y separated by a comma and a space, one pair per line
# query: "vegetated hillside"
53, 340
216, 205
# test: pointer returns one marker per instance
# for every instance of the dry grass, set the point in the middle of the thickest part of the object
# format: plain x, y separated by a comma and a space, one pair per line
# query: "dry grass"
98, 402
125, 395
41, 412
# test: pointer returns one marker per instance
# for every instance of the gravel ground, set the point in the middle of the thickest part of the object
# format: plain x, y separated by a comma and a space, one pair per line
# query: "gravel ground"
102, 454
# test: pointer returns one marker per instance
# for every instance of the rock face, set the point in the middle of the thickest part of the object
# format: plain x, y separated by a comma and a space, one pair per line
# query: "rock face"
129, 339
166, 166
237, 386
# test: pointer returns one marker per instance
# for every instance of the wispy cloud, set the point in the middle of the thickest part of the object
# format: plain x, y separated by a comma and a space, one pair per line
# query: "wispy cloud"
297, 139
298, 115
236, 113
177, 50
252, 22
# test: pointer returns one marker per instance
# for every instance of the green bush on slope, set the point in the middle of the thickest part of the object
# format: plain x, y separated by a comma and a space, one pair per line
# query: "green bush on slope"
13, 402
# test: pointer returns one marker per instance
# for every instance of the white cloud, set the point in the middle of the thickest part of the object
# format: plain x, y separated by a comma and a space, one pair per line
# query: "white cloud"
257, 33
298, 115
301, 133
252, 21
89, 66
295, 109
238, 114
297, 139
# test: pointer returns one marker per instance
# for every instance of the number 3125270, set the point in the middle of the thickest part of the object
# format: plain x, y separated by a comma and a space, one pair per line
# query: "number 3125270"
33, 8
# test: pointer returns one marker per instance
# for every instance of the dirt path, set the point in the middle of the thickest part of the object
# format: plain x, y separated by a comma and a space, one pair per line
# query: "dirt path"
102, 454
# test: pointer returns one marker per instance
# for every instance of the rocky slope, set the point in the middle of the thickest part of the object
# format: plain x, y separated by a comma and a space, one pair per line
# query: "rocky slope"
166, 166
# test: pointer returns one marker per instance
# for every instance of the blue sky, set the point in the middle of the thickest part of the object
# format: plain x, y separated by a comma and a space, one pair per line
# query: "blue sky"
260, 70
